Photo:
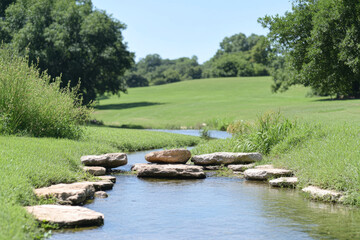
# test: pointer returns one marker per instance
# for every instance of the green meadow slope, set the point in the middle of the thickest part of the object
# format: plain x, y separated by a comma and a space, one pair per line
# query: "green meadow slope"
191, 103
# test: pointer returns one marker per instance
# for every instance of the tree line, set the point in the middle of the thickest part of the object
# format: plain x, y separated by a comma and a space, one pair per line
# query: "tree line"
317, 44
237, 56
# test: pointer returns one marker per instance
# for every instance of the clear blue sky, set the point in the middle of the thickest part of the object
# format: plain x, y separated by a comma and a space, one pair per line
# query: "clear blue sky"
183, 28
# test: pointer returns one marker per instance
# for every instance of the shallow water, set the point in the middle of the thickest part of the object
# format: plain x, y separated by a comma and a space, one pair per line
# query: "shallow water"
193, 132
212, 208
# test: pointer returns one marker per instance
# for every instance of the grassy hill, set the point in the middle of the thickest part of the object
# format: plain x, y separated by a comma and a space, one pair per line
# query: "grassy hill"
191, 103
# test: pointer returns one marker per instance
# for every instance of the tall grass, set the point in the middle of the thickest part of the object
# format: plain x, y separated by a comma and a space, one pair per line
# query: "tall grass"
32, 103
262, 135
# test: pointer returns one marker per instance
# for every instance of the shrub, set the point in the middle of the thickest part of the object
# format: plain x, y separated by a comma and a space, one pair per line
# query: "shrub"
32, 103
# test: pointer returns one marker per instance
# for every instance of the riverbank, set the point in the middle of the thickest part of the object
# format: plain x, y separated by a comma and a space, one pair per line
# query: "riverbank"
27, 163
323, 155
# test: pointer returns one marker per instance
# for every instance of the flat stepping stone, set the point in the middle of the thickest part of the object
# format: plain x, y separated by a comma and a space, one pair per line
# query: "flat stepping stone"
101, 194
96, 171
173, 156
66, 216
110, 160
290, 182
240, 167
226, 158
317, 193
263, 174
137, 166
73, 194
108, 178
180, 171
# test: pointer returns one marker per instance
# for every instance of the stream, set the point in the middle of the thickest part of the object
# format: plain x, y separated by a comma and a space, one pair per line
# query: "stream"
212, 208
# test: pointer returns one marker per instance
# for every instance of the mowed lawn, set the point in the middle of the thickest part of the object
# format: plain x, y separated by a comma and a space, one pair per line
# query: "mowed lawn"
191, 103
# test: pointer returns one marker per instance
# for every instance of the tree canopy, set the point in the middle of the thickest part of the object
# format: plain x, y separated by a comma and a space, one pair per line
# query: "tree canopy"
161, 71
318, 45
69, 38
239, 56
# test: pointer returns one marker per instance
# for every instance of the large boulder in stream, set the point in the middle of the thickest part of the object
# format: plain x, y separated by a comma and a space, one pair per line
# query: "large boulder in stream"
173, 156
226, 158
110, 160
181, 171
66, 216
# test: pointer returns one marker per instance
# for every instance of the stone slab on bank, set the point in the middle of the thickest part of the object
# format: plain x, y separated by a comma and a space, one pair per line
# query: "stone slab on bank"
180, 171
109, 160
226, 158
290, 182
173, 156
72, 194
323, 194
263, 174
66, 216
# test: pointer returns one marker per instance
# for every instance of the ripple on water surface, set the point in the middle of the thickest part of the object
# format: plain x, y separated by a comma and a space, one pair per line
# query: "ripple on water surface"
213, 208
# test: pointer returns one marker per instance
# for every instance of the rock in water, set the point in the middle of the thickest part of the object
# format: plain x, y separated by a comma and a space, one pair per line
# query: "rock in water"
108, 178
96, 171
266, 173
181, 171
240, 167
73, 194
66, 216
172, 156
110, 160
284, 182
101, 194
323, 194
226, 158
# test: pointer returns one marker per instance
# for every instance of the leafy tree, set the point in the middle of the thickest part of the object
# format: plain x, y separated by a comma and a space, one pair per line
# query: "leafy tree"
134, 80
71, 39
3, 5
239, 56
161, 71
319, 42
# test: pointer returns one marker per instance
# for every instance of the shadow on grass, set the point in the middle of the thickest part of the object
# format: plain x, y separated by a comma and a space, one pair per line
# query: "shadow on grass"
126, 105
128, 126
335, 99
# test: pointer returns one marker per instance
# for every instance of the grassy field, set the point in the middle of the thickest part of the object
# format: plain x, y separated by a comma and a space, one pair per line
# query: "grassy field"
27, 163
191, 103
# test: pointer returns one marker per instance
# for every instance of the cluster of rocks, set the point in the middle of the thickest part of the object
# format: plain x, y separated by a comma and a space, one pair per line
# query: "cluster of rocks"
65, 214
284, 178
97, 165
172, 163
168, 164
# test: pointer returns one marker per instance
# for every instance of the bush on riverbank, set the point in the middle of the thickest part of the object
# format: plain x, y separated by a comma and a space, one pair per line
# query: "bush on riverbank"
266, 133
32, 103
